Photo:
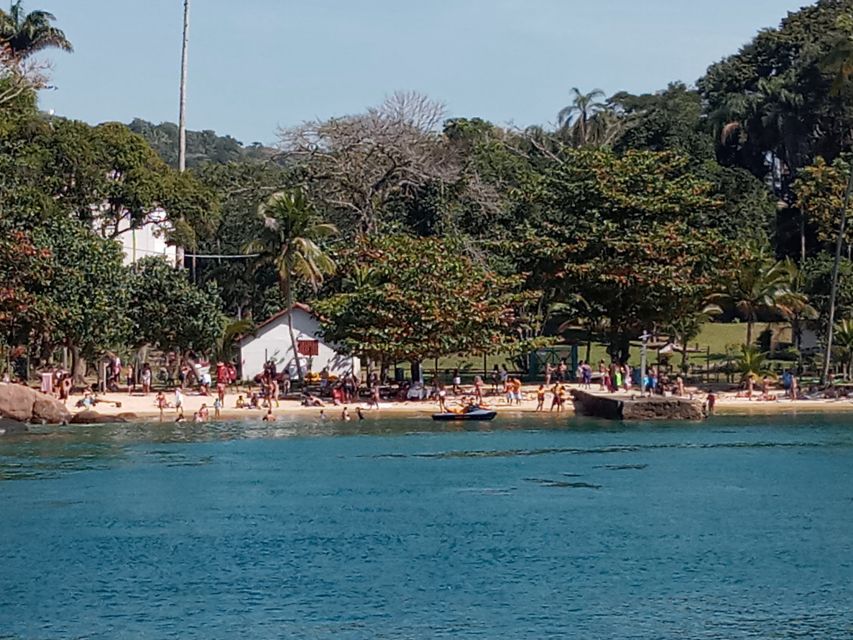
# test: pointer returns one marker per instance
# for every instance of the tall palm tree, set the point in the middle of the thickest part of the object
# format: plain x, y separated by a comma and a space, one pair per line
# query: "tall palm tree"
576, 117
27, 33
839, 61
290, 228
762, 284
844, 343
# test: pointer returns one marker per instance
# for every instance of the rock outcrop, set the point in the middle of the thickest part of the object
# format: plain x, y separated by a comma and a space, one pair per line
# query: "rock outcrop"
23, 404
637, 409
10, 427
93, 417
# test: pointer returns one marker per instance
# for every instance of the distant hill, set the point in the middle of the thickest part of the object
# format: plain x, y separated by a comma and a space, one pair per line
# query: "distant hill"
202, 146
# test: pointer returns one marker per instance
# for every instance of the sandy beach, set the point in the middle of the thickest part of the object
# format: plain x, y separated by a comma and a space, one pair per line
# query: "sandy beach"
143, 408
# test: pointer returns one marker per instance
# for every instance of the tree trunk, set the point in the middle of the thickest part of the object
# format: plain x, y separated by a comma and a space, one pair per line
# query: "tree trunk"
835, 268
78, 366
802, 237
797, 334
749, 333
288, 296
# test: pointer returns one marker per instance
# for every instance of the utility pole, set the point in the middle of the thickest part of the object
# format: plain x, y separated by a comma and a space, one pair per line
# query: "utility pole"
182, 112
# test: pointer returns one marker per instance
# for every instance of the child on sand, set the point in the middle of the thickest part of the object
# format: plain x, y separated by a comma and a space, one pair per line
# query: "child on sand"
540, 398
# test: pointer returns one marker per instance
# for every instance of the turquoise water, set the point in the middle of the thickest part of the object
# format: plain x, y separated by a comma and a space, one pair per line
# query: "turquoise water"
536, 529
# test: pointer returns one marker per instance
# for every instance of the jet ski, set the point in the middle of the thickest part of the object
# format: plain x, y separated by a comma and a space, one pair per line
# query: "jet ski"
468, 413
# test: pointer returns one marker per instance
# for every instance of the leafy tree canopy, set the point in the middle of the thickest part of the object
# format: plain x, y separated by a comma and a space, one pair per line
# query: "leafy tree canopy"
410, 299
169, 311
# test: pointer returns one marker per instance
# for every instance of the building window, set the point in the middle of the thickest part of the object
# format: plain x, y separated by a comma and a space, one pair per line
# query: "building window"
308, 347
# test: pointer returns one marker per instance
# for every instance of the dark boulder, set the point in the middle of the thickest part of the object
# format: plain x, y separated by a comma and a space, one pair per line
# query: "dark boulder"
23, 404
10, 427
637, 409
93, 417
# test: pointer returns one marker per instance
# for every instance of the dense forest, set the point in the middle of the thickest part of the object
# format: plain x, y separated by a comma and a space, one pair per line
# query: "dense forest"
417, 236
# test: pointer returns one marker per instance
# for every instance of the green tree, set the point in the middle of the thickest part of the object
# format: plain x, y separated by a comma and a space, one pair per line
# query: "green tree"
669, 120
241, 187
772, 104
87, 294
25, 269
843, 343
404, 299
817, 284
752, 362
576, 118
27, 33
169, 312
762, 284
628, 234
288, 237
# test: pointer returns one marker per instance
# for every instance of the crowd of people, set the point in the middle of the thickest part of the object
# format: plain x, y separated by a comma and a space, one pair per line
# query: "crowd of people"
324, 389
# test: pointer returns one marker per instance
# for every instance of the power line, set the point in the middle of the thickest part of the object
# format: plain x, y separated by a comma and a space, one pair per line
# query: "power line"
215, 256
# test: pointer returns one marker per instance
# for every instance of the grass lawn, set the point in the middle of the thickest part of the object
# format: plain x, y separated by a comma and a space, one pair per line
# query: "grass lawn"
718, 336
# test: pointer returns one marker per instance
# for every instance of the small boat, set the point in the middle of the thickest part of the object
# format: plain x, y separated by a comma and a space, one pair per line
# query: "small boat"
471, 413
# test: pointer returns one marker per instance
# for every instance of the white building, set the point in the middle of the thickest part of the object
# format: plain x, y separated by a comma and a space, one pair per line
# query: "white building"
147, 240
271, 341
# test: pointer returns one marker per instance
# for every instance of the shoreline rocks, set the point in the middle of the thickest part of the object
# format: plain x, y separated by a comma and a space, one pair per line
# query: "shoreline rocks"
9, 427
23, 404
93, 417
637, 409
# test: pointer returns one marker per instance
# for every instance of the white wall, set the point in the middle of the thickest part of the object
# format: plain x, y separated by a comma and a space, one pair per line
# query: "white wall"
273, 342
148, 240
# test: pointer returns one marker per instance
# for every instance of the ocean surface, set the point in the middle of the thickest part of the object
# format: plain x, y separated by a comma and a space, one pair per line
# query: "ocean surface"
393, 528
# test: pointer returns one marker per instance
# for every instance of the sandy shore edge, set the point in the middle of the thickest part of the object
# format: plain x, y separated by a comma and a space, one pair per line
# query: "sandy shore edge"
143, 407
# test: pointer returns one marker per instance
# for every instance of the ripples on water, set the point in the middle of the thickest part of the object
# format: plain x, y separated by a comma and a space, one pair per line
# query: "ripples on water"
400, 528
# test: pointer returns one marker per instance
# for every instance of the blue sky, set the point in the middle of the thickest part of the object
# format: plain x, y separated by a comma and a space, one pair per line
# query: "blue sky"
259, 64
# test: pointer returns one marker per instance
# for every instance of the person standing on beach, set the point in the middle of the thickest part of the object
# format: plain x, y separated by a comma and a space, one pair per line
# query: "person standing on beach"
586, 375
457, 382
285, 382
442, 399
516, 390
131, 381
274, 391
146, 379
478, 389
540, 398
562, 371
161, 403
221, 381
179, 400
496, 378
557, 399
